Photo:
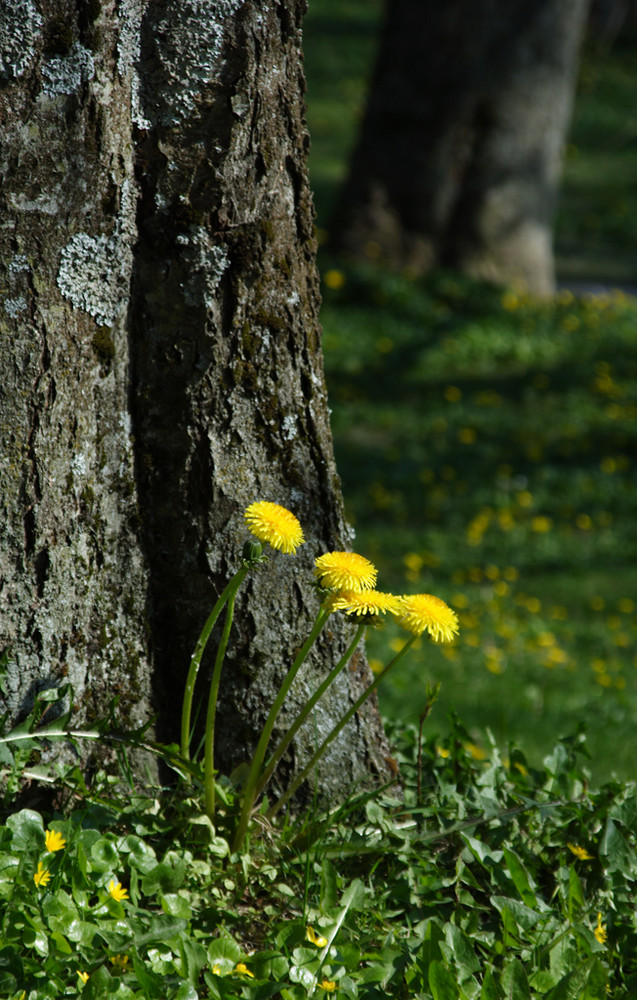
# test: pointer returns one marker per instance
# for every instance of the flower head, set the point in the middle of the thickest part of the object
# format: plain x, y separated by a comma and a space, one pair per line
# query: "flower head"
328, 985
600, 930
367, 602
119, 962
243, 968
54, 841
275, 525
83, 976
579, 852
345, 571
42, 876
117, 890
313, 937
425, 613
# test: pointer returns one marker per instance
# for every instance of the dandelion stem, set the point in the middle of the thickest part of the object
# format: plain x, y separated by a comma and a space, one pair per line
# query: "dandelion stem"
195, 660
209, 746
300, 778
305, 711
259, 754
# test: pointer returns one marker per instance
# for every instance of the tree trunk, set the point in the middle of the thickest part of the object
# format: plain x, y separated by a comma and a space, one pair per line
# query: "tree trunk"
161, 362
459, 157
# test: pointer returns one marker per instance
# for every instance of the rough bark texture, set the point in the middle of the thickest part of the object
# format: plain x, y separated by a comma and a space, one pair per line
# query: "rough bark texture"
459, 157
161, 361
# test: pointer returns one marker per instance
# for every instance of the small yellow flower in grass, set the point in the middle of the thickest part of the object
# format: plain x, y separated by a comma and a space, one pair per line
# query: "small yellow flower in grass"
243, 969
83, 976
313, 937
54, 841
120, 962
600, 930
367, 602
216, 969
275, 525
328, 985
579, 852
345, 571
420, 613
42, 876
117, 890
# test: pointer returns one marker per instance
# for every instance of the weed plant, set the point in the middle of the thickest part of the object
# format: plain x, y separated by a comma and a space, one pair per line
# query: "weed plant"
486, 879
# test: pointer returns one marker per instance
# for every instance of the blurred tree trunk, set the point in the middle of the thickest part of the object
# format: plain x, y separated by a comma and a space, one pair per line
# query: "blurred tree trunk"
161, 362
459, 156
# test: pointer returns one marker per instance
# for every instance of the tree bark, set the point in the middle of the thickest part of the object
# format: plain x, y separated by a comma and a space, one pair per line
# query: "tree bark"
459, 156
161, 363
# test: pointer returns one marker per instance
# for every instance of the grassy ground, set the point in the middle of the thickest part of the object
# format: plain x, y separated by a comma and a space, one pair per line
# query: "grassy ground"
485, 441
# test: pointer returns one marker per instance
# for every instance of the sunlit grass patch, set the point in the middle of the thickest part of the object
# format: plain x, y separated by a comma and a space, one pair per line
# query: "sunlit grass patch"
497, 466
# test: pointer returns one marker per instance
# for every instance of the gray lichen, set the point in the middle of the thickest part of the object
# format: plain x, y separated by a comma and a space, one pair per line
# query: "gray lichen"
66, 74
207, 263
94, 271
20, 26
186, 68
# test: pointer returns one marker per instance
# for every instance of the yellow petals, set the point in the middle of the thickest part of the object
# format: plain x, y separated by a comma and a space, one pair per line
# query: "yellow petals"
42, 876
368, 602
425, 613
119, 962
313, 937
345, 571
216, 969
328, 985
275, 525
83, 976
117, 890
54, 841
243, 969
579, 852
600, 931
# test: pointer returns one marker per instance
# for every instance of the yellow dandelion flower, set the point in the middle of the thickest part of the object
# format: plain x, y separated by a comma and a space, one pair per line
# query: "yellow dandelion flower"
54, 841
328, 985
42, 876
243, 968
275, 525
119, 962
313, 937
117, 890
425, 613
600, 931
579, 852
345, 571
83, 976
368, 602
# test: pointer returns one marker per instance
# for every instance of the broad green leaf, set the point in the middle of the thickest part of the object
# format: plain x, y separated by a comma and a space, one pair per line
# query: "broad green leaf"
614, 847
161, 928
523, 915
570, 987
354, 896
329, 894
168, 876
575, 893
27, 829
520, 878
490, 989
597, 985
224, 949
514, 981
193, 958
441, 982
460, 952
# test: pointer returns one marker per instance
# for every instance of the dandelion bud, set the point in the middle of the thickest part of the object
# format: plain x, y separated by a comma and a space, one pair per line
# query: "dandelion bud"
252, 552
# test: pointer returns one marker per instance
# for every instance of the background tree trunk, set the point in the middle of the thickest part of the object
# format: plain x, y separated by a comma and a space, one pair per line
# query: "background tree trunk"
459, 156
161, 362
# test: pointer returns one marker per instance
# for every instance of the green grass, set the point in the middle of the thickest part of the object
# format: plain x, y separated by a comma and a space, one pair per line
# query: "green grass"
485, 441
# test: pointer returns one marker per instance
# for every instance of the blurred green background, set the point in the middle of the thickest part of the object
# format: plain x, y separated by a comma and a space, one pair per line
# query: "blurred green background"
486, 440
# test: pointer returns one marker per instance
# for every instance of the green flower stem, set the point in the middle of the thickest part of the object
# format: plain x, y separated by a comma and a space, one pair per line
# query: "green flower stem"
209, 746
307, 708
195, 661
249, 794
300, 778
